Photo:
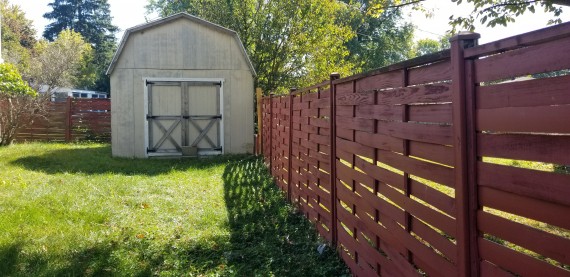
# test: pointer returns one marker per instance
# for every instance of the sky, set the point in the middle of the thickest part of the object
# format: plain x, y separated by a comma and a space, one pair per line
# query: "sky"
129, 13
125, 13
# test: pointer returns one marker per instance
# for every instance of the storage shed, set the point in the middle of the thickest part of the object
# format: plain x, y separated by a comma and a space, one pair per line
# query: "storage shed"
181, 85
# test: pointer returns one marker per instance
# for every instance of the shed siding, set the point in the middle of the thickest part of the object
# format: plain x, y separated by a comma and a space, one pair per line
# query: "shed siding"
122, 128
130, 127
182, 44
180, 49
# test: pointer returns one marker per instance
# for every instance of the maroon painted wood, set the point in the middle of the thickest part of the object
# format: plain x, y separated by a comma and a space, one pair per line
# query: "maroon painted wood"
360, 156
537, 59
529, 93
543, 243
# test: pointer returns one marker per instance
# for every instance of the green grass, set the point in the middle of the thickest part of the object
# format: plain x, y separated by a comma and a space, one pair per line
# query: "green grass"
72, 210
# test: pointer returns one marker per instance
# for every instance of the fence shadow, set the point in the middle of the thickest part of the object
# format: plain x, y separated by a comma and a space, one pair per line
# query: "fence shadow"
98, 160
267, 236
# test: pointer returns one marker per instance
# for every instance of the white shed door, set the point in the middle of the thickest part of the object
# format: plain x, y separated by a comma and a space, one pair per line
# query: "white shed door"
184, 117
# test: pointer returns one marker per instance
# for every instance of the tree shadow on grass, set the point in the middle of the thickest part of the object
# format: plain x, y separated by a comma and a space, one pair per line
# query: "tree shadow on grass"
108, 259
98, 160
267, 236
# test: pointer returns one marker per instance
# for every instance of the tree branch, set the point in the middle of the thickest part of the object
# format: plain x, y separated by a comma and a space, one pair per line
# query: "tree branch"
509, 4
410, 3
561, 2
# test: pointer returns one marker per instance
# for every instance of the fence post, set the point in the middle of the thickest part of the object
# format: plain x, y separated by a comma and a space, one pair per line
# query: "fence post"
68, 122
259, 141
290, 154
271, 134
467, 262
332, 121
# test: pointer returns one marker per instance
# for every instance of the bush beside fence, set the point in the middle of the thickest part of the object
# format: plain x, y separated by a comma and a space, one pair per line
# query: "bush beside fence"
407, 179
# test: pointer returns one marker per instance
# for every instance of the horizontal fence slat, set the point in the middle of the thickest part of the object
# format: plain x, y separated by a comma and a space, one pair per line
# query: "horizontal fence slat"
551, 119
489, 269
546, 186
430, 113
439, 266
391, 79
433, 172
383, 175
382, 112
432, 217
536, 240
543, 148
517, 262
438, 134
433, 152
433, 197
531, 93
550, 213
435, 239
425, 94
380, 141
440, 71
530, 38
524, 61
354, 123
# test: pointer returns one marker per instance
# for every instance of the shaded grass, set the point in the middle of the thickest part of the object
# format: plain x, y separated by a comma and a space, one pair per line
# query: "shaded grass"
68, 210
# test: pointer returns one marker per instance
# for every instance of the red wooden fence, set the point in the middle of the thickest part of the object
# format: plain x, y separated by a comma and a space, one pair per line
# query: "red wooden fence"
406, 179
74, 119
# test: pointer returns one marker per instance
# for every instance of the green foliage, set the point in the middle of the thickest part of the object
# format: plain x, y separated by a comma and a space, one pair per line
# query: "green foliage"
92, 19
18, 36
64, 62
382, 37
71, 209
502, 12
291, 43
11, 83
428, 46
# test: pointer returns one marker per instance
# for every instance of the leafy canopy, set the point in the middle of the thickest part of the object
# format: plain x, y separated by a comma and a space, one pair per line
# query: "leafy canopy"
291, 43
18, 36
300, 42
11, 82
92, 19
62, 62
380, 39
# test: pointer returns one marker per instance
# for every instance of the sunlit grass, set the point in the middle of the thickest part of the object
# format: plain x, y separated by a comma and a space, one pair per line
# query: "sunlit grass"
74, 210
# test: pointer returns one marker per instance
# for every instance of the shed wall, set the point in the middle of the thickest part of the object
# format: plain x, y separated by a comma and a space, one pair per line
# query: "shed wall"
180, 49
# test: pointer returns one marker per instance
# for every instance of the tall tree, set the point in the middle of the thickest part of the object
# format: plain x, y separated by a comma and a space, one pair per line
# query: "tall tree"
18, 36
92, 19
62, 62
382, 37
291, 43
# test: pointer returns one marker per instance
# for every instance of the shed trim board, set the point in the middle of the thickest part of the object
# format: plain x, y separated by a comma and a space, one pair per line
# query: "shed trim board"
218, 82
165, 20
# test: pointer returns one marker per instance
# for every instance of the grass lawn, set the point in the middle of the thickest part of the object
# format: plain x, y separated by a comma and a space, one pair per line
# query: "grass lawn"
71, 209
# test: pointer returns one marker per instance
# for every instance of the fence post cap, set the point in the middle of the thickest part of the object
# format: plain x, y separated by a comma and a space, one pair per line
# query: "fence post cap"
465, 35
335, 75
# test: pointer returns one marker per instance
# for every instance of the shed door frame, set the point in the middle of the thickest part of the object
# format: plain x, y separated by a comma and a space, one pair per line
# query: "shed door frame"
161, 79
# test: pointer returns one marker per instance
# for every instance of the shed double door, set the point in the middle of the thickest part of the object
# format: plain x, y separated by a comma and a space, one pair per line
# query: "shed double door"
184, 117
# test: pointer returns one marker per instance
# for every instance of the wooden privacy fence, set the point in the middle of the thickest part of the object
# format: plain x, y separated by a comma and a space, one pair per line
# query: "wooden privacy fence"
425, 172
74, 119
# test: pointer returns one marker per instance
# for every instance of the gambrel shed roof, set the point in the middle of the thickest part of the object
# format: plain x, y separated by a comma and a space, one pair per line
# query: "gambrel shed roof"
169, 19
